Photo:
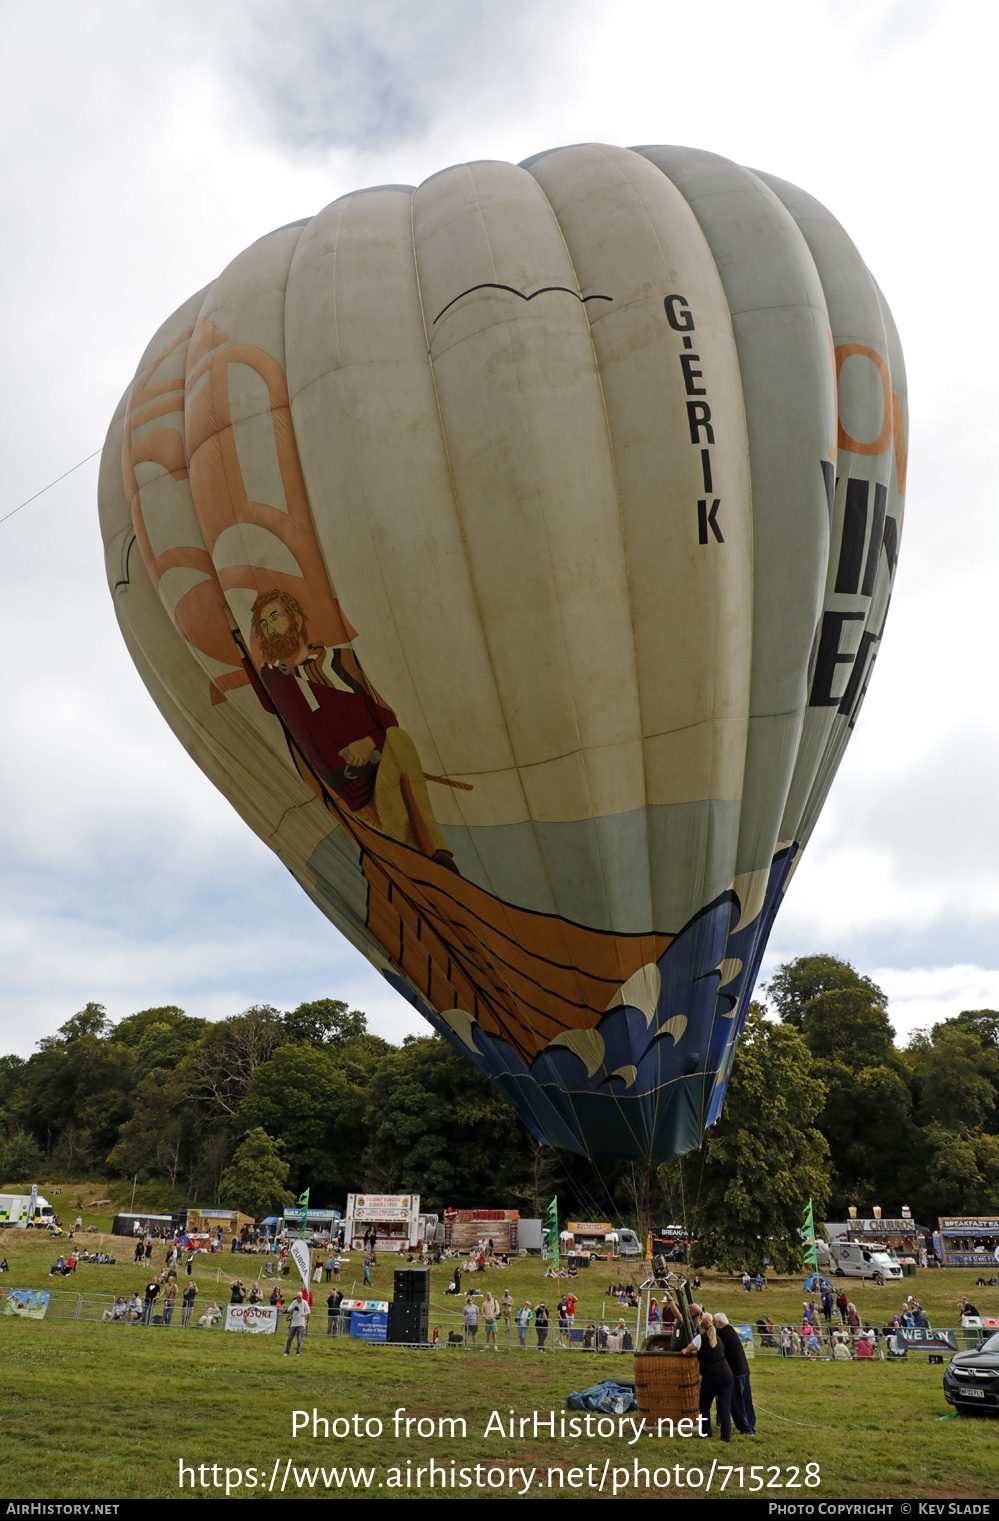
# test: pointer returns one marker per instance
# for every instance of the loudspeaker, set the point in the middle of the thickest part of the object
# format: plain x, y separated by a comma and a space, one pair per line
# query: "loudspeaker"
407, 1322
411, 1285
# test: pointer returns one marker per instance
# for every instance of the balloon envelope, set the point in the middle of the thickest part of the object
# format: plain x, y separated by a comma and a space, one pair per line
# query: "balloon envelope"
513, 553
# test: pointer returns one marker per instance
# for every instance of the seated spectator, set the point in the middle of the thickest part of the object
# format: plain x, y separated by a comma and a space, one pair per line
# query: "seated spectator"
841, 1352
864, 1346
210, 1318
116, 1311
133, 1309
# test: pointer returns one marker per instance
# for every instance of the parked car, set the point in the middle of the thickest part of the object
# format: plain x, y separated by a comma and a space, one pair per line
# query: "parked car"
971, 1381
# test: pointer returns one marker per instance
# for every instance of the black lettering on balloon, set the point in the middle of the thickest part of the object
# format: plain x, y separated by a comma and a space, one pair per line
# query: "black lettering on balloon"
706, 469
829, 657
708, 519
870, 667
867, 639
698, 417
851, 549
890, 540
688, 343
874, 547
829, 477
680, 322
690, 375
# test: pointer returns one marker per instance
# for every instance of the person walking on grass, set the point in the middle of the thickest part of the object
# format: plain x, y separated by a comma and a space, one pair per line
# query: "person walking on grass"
298, 1317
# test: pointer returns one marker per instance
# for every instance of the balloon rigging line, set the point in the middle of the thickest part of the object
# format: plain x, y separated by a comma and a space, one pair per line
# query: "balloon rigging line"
51, 484
805, 1424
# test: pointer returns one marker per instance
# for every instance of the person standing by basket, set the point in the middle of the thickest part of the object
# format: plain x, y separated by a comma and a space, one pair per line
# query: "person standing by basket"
743, 1413
716, 1378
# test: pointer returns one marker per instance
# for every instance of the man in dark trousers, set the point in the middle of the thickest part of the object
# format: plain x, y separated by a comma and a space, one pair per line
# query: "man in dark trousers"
743, 1413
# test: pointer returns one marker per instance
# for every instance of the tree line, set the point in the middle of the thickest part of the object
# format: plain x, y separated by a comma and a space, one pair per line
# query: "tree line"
252, 1109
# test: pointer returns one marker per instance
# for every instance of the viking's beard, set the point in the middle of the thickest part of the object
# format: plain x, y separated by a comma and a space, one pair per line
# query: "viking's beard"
275, 647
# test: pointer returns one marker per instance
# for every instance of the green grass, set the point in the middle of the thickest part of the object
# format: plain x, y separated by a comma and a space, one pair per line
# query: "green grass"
106, 1412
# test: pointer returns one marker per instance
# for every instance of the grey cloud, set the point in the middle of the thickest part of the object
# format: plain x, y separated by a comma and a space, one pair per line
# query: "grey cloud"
345, 76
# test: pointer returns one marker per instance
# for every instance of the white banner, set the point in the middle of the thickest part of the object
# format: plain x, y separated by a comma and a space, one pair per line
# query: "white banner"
300, 1252
251, 1317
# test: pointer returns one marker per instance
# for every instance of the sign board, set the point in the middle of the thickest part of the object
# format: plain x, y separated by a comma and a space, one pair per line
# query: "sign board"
922, 1336
28, 1302
295, 1215
589, 1228
373, 1208
973, 1225
302, 1259
465, 1228
394, 1217
746, 1337
369, 1325
251, 1317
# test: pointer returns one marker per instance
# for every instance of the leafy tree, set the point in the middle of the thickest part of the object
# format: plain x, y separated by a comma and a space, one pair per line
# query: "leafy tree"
325, 1022
874, 1143
439, 1127
255, 1182
765, 1157
11, 1075
158, 1038
796, 982
358, 1060
984, 1023
229, 1053
130, 1030
73, 1093
302, 1095
160, 1133
20, 1160
850, 1026
956, 1077
962, 1173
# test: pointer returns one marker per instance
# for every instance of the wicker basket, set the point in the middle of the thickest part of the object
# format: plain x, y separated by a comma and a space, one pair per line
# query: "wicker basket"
667, 1384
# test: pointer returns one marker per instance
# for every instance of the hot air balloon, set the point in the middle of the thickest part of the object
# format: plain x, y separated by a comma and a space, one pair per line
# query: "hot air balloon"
513, 553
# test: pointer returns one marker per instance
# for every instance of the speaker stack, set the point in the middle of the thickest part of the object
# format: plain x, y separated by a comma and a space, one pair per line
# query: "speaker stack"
409, 1312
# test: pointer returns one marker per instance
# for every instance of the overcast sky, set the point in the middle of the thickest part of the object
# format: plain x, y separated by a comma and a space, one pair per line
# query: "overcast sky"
146, 145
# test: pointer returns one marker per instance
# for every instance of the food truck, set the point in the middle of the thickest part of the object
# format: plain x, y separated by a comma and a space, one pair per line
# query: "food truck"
208, 1222
968, 1241
591, 1238
464, 1229
903, 1236
395, 1220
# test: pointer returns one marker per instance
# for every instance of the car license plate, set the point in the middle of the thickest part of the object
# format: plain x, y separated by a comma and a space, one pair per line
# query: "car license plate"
975, 1394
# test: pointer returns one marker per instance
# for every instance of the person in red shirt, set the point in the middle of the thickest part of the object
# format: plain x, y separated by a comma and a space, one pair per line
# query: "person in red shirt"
345, 734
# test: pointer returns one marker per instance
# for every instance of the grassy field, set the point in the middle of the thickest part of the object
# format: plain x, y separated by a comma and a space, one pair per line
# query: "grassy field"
110, 1412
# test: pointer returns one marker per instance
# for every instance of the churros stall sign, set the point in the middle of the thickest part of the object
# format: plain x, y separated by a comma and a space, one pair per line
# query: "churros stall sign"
251, 1317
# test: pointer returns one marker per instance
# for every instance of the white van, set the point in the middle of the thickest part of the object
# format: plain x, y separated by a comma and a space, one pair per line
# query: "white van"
15, 1209
852, 1259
